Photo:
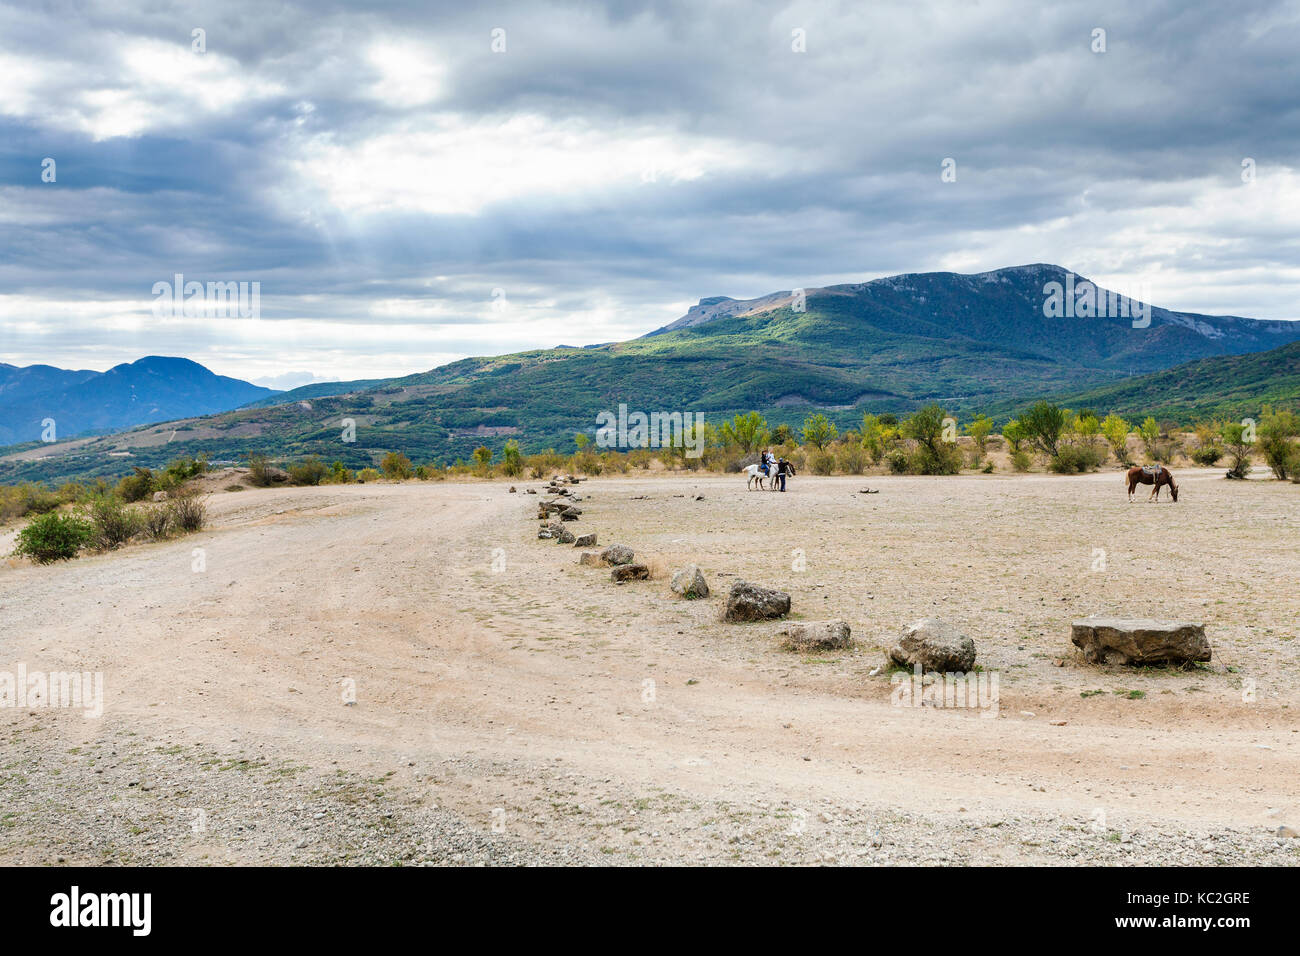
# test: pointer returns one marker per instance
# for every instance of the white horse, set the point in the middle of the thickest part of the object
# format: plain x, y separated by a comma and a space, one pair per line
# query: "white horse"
754, 476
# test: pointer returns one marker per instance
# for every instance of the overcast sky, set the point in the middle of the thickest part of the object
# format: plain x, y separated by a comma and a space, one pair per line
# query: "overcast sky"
381, 170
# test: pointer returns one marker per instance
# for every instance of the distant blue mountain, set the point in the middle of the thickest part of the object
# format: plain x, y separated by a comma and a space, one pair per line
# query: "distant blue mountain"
152, 389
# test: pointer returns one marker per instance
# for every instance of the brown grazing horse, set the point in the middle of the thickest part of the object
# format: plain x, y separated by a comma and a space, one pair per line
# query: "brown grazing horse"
1137, 475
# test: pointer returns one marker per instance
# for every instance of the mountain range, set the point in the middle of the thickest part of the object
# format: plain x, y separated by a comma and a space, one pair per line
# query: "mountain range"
984, 342
151, 389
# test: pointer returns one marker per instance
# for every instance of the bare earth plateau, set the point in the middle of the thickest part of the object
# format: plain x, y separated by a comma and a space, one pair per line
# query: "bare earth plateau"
512, 706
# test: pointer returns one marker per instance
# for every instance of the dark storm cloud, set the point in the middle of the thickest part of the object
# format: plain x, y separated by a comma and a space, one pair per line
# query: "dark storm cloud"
353, 160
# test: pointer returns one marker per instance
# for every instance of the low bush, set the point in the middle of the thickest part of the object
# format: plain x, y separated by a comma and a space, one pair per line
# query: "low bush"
113, 522
54, 536
1020, 460
309, 471
189, 512
156, 522
1207, 455
259, 471
183, 469
821, 462
137, 486
397, 466
851, 458
1075, 459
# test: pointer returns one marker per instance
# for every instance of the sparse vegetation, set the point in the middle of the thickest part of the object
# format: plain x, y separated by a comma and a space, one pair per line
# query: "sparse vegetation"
54, 536
189, 511
309, 471
114, 523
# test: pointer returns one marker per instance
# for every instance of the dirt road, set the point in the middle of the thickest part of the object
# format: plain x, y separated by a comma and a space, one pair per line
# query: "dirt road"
511, 706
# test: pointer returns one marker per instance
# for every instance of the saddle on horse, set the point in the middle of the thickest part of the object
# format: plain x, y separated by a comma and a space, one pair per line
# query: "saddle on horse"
1152, 471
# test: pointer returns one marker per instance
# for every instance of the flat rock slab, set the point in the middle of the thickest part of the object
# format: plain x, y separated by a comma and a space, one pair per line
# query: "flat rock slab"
934, 645
630, 572
1136, 640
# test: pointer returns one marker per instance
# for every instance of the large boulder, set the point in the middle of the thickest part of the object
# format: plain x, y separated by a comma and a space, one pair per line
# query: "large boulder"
552, 529
750, 602
816, 636
1124, 640
585, 541
591, 559
617, 554
689, 582
565, 536
630, 572
935, 645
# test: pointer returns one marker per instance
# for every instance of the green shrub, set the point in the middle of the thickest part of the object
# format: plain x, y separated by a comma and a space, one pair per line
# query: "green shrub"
137, 486
54, 536
1074, 459
36, 500
851, 458
259, 470
183, 469
189, 511
821, 462
512, 463
339, 474
897, 461
113, 522
368, 474
1020, 460
1043, 424
1207, 455
156, 521
397, 466
309, 471
1276, 431
1238, 449
941, 459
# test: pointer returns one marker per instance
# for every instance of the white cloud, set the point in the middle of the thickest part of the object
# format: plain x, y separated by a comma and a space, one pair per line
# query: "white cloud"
455, 165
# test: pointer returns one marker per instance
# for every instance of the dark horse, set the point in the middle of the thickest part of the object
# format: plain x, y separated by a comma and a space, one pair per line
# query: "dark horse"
1160, 476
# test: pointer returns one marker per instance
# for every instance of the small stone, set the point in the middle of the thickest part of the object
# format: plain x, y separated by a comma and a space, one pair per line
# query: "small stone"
816, 636
617, 554
689, 582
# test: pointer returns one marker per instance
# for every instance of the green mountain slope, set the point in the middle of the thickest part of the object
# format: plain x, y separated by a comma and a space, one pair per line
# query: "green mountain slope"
969, 342
1229, 387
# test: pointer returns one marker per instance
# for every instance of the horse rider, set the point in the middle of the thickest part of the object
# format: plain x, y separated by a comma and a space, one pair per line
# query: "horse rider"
767, 461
